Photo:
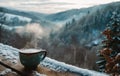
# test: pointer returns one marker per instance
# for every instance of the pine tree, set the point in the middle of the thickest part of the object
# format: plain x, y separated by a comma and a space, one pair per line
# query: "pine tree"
109, 56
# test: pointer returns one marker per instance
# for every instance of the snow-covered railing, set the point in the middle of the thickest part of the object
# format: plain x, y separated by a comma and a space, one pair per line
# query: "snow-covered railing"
12, 54
61, 66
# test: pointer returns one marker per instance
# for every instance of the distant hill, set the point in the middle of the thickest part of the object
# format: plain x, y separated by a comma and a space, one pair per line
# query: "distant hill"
69, 14
33, 16
55, 17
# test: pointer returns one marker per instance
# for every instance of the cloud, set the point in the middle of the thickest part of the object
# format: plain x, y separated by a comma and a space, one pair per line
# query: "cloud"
46, 3
51, 6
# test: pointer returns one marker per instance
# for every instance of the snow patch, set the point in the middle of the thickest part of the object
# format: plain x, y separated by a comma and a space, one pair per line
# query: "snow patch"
35, 73
22, 18
5, 72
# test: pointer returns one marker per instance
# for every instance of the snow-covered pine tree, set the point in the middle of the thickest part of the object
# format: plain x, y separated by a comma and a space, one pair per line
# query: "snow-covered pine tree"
109, 56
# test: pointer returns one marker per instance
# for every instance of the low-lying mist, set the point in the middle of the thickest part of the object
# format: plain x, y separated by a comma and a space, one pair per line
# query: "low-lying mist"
31, 30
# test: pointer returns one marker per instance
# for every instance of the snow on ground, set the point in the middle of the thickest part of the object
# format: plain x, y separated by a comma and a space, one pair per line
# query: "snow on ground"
13, 53
21, 18
5, 72
7, 27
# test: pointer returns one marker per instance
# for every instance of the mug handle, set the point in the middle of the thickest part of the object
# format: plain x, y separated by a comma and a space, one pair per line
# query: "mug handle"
44, 53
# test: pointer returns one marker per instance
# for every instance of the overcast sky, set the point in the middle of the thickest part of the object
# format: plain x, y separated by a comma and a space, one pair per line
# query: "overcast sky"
51, 6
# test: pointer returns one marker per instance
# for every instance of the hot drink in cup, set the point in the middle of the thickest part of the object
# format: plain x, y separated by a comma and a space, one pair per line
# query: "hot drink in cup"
30, 58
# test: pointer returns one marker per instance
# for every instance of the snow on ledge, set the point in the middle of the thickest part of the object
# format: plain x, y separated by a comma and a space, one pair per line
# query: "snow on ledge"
12, 53
61, 66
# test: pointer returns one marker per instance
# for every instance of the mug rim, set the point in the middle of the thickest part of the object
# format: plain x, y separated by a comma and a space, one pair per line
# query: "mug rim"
35, 52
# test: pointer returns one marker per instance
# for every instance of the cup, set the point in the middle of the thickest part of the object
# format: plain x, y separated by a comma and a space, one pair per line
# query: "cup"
30, 58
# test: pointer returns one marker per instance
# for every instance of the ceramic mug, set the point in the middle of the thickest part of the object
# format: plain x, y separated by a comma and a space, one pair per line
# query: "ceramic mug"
30, 58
